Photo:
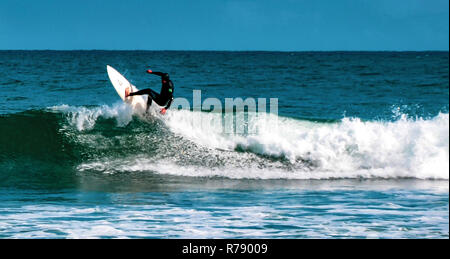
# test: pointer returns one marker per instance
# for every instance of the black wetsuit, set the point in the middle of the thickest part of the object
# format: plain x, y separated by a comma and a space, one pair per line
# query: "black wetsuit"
165, 97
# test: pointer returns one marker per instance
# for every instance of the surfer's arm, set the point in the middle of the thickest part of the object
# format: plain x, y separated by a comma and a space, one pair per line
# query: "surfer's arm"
161, 74
169, 103
163, 110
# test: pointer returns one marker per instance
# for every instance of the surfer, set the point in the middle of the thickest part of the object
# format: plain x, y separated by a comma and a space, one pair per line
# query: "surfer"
164, 98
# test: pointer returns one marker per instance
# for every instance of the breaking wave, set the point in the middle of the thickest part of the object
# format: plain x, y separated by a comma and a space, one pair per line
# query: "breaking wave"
111, 139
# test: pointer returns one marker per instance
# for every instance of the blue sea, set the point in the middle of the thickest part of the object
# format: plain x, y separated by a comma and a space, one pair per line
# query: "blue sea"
358, 147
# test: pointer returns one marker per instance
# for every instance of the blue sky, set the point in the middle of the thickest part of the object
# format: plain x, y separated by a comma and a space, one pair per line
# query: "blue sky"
286, 25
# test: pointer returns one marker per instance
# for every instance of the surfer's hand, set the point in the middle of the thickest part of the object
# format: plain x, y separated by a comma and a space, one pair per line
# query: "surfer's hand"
163, 111
149, 71
127, 92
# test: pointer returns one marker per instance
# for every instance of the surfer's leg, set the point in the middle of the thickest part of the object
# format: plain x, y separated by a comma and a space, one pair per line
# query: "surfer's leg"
149, 102
141, 92
152, 95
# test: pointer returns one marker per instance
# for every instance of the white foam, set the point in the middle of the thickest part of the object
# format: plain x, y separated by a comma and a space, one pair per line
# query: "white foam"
352, 148
222, 219
85, 118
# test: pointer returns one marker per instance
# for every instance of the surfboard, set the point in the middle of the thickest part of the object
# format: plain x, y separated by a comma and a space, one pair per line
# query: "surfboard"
120, 83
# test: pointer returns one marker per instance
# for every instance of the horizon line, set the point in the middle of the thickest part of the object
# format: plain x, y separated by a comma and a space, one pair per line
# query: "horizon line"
227, 50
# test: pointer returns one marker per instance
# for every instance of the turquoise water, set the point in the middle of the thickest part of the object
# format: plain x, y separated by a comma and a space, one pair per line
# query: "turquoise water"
360, 148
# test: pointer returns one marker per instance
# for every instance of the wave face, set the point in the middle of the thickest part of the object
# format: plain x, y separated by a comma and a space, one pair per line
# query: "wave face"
57, 144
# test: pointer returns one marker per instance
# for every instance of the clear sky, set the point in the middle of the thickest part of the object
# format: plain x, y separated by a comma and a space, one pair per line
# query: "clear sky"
285, 25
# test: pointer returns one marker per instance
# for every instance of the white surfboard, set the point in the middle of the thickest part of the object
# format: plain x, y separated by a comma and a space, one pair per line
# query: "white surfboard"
120, 83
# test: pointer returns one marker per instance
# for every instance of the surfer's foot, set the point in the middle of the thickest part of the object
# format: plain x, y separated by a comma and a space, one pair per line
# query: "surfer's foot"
127, 92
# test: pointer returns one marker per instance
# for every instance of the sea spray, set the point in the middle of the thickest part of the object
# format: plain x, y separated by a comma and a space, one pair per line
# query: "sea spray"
84, 118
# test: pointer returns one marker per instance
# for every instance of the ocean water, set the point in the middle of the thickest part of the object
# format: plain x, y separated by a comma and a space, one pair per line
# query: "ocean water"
359, 147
